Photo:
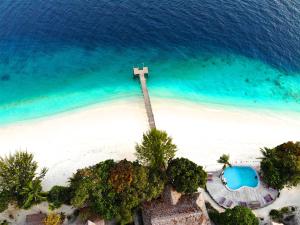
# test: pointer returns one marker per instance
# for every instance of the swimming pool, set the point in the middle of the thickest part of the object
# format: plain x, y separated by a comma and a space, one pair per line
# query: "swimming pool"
236, 177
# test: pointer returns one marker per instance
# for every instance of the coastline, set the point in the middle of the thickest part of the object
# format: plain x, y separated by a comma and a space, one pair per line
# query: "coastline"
85, 136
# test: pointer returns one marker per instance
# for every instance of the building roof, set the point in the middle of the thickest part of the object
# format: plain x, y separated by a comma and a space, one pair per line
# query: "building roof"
176, 209
35, 219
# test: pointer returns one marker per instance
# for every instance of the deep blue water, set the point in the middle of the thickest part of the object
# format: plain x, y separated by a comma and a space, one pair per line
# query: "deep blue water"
240, 176
58, 55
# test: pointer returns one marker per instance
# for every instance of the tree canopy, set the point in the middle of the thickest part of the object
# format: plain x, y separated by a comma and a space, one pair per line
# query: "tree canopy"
113, 189
224, 159
156, 149
236, 216
19, 181
58, 195
280, 166
186, 176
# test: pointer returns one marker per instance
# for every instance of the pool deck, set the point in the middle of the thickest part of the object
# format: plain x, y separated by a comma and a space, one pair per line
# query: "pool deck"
253, 198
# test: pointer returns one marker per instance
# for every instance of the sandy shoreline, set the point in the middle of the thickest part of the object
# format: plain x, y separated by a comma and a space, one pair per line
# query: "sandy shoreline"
68, 141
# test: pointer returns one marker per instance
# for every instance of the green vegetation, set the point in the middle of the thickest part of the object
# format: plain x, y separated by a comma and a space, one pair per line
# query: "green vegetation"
19, 181
4, 222
33, 194
186, 176
281, 215
58, 195
156, 149
114, 190
236, 216
224, 159
4, 200
280, 166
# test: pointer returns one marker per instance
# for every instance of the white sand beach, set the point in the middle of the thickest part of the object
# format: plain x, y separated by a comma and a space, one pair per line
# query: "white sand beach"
72, 140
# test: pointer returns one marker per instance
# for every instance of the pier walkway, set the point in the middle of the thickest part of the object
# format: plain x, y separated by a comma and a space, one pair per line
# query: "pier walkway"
141, 73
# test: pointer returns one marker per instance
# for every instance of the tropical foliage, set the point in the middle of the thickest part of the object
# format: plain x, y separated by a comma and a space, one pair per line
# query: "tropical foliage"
156, 149
280, 166
113, 190
4, 200
58, 195
32, 194
121, 175
236, 216
224, 159
19, 181
185, 175
282, 215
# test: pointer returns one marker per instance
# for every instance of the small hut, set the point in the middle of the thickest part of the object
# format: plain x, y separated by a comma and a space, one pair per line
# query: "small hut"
175, 208
35, 219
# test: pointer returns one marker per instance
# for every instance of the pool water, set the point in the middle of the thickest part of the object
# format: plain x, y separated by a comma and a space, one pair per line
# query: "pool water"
240, 176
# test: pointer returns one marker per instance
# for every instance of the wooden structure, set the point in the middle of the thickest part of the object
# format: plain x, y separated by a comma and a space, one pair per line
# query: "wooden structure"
35, 219
142, 73
176, 209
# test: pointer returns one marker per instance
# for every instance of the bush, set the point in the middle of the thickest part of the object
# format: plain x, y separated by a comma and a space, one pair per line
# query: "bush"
59, 195
4, 222
4, 201
236, 216
185, 176
280, 166
53, 219
276, 215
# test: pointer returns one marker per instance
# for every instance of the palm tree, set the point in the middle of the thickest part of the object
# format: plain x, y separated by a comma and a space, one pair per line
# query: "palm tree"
156, 149
32, 194
224, 159
18, 171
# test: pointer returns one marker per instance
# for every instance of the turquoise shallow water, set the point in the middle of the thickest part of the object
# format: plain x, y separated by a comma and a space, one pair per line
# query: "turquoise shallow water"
82, 77
57, 56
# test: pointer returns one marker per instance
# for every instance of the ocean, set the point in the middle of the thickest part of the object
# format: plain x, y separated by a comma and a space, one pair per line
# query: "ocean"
58, 55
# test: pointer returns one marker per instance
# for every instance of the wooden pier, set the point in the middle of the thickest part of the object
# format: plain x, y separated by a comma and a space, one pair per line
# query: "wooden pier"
142, 73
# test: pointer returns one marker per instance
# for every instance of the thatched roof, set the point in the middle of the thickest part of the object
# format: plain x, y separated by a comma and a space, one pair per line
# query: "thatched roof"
173, 209
35, 219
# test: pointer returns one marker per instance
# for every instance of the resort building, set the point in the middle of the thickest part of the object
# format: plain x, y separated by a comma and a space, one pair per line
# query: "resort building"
174, 208
35, 219
95, 222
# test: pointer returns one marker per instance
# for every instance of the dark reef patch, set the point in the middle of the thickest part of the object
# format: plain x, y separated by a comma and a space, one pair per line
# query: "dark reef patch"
5, 77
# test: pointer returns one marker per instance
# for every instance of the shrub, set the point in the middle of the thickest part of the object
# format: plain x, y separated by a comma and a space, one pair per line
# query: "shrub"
280, 166
53, 219
4, 222
185, 175
236, 216
4, 201
276, 215
59, 195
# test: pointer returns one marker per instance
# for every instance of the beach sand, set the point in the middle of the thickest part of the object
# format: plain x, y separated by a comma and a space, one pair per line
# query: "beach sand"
79, 138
